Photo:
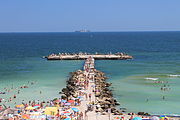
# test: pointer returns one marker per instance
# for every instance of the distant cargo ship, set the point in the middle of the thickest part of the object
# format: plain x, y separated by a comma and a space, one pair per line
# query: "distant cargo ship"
82, 30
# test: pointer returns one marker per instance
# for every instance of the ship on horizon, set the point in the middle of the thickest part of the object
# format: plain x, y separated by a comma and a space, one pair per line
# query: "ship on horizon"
83, 30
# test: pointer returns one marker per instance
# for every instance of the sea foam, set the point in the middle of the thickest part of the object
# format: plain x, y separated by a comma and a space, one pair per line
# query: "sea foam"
174, 75
151, 78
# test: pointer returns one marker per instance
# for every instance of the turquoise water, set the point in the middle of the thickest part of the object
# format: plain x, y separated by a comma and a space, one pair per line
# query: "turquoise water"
156, 55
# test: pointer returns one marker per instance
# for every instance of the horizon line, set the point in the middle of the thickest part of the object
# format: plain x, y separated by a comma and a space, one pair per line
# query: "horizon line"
92, 31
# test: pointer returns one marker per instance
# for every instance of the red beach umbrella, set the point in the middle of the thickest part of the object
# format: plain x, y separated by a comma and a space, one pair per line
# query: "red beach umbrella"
37, 105
56, 101
66, 112
70, 101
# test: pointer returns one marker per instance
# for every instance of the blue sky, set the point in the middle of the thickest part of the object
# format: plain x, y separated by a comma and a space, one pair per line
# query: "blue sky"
95, 15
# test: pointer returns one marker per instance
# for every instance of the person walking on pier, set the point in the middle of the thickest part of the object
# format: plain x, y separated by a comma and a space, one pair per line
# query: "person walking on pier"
90, 97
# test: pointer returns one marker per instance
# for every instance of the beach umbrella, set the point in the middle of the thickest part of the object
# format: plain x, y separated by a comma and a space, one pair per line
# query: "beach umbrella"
35, 107
63, 101
19, 106
67, 104
57, 101
65, 113
155, 118
70, 101
29, 108
25, 116
57, 105
137, 118
117, 118
162, 117
75, 109
51, 110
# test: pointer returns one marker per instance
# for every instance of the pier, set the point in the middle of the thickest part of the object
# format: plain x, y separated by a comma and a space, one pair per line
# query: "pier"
84, 56
91, 86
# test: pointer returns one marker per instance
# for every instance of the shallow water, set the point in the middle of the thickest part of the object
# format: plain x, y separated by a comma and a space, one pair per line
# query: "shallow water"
156, 55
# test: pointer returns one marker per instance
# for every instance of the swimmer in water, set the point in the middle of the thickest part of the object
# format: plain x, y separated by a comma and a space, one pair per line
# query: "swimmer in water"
14, 96
163, 98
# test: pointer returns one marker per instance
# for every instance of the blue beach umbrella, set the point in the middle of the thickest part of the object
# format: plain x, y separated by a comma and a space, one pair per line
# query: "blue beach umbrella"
137, 118
35, 107
63, 101
75, 109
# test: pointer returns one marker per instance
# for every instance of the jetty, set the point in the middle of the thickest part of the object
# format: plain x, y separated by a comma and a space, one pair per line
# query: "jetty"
91, 87
84, 56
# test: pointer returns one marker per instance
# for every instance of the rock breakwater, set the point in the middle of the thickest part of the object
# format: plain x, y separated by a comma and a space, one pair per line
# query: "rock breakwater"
91, 84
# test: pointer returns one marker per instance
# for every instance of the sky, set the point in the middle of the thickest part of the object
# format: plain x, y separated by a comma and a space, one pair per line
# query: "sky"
94, 15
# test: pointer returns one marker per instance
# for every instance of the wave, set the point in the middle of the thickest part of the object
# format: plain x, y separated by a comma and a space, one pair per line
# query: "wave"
174, 75
151, 78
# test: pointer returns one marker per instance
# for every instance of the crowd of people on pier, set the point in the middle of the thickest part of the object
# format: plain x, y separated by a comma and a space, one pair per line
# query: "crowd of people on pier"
81, 53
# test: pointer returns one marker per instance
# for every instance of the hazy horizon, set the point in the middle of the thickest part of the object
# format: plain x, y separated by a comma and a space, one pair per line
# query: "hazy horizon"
88, 32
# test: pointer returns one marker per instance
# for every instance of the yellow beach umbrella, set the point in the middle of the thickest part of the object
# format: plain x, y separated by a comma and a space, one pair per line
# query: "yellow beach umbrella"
20, 106
51, 110
57, 105
29, 108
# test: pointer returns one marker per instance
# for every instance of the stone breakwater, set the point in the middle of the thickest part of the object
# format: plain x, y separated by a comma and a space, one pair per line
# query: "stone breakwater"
91, 85
104, 96
84, 56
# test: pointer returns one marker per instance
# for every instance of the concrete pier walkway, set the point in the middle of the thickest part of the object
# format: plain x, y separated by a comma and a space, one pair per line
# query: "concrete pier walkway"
90, 98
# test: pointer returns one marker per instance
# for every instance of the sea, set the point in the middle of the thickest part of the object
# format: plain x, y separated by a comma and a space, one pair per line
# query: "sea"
150, 82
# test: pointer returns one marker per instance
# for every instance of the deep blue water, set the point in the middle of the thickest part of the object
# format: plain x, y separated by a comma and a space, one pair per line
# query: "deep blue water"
156, 55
